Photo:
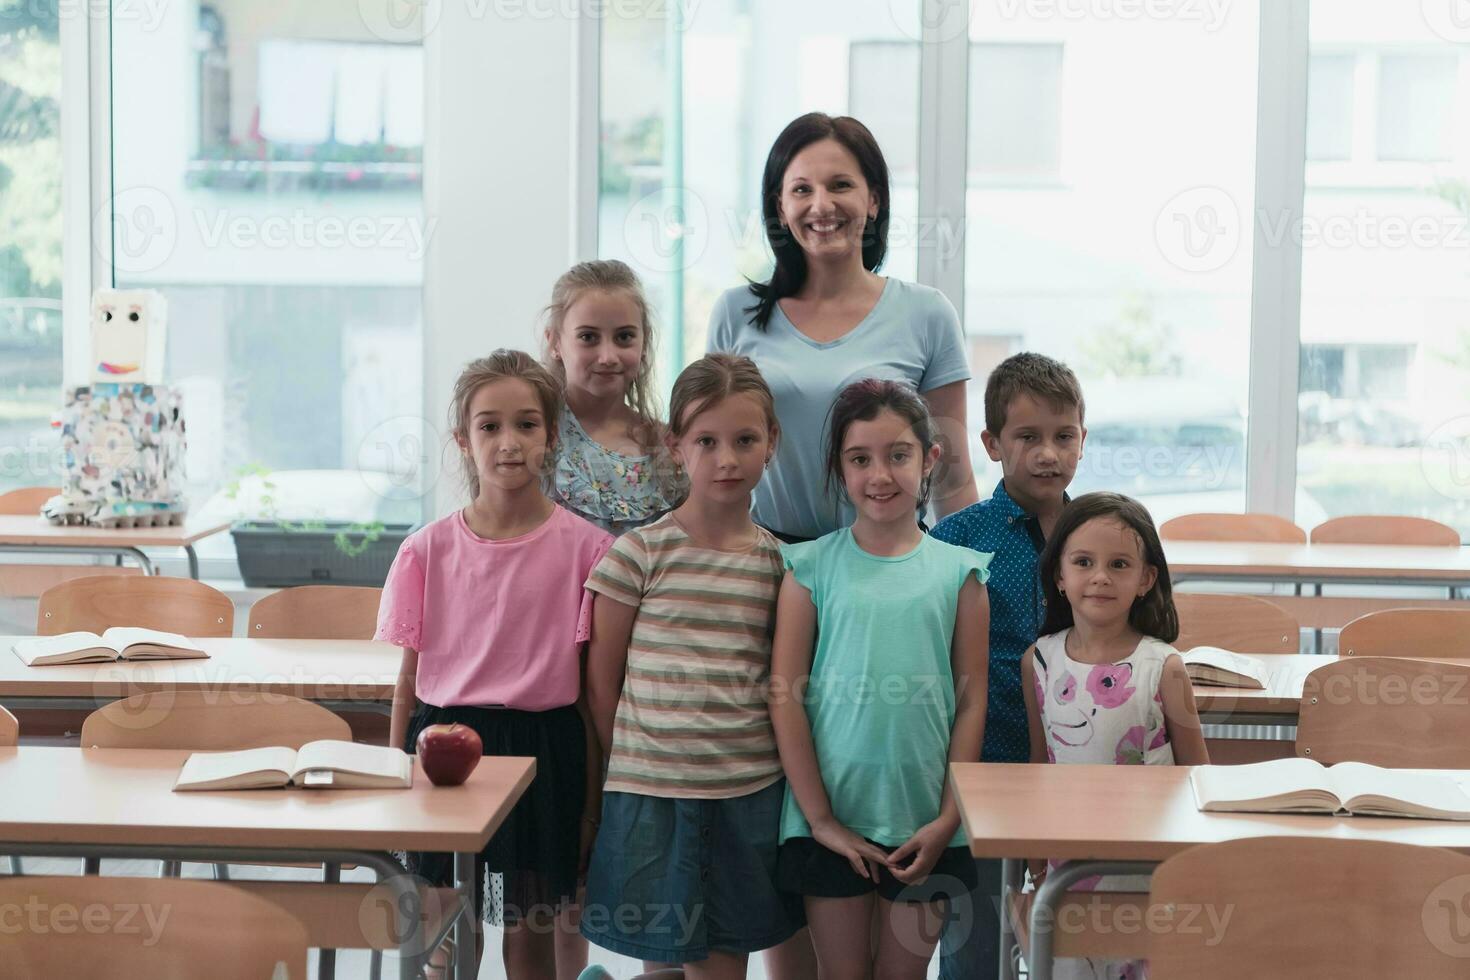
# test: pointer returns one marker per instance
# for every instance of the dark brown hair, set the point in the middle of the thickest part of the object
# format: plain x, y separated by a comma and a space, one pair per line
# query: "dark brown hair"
790, 271
1037, 375
861, 401
499, 365
1152, 614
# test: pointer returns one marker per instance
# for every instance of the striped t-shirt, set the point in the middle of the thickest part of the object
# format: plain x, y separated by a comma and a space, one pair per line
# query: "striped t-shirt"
692, 721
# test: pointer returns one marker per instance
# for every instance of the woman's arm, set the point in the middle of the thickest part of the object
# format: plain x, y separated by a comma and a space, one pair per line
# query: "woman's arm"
791, 663
954, 487
969, 663
1181, 717
607, 662
404, 698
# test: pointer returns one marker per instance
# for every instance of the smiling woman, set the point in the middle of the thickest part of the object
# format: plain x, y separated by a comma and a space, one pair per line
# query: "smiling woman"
825, 319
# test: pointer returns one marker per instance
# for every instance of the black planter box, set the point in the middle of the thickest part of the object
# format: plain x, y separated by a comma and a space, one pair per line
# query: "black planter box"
276, 556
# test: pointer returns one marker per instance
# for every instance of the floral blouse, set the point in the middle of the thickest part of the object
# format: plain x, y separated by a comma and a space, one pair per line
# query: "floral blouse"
613, 491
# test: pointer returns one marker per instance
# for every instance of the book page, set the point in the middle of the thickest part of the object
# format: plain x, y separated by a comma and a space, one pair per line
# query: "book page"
76, 647
270, 766
1228, 660
121, 638
1373, 789
1287, 785
350, 757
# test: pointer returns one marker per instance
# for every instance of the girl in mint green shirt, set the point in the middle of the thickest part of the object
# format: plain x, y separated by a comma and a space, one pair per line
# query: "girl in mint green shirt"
867, 723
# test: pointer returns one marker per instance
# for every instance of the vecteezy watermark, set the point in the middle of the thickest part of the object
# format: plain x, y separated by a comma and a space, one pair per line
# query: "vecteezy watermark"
1446, 917
142, 226
1444, 458
1100, 917
1199, 230
38, 917
396, 912
394, 458
1450, 19
667, 229
410, 21
145, 14
1210, 14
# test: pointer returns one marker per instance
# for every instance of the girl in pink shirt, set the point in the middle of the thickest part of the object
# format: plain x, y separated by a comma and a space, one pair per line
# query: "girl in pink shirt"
489, 607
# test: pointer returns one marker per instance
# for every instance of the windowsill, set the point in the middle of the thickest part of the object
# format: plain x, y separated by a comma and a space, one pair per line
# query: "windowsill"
287, 175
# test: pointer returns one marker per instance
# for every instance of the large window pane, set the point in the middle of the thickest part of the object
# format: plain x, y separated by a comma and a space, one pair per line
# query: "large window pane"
685, 213
30, 243
1111, 188
1385, 370
283, 222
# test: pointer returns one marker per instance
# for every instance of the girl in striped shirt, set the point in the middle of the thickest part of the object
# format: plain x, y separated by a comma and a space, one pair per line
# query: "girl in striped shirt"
681, 871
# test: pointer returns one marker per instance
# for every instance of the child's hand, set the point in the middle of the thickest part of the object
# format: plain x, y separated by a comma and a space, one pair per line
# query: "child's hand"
862, 855
912, 861
584, 854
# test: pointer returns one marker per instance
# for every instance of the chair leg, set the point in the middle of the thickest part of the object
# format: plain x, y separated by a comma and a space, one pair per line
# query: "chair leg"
326, 964
91, 866
15, 867
375, 965
221, 872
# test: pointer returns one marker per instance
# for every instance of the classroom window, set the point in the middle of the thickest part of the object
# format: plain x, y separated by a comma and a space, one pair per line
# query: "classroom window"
688, 113
1330, 107
30, 244
1384, 390
1131, 260
1015, 110
283, 222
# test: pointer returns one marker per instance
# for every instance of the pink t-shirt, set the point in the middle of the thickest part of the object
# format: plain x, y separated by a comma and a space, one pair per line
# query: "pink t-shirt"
494, 622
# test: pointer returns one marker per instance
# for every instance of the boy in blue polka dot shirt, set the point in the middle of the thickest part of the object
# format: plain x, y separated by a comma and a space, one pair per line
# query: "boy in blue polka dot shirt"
1033, 428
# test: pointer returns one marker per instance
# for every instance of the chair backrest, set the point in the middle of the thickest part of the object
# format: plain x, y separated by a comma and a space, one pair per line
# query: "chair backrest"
146, 927
221, 720
1232, 527
1422, 633
1309, 908
1387, 711
9, 728
317, 612
1246, 623
1376, 529
26, 500
177, 605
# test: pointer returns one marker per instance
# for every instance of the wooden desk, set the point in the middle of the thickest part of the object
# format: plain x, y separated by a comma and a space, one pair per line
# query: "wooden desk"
23, 534
1279, 703
1131, 819
1261, 561
356, 675
96, 803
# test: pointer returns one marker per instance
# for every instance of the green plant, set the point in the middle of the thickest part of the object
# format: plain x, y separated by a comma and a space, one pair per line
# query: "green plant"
369, 531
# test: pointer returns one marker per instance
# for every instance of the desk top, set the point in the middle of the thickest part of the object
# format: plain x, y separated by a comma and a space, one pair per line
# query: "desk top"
1286, 674
1267, 559
1137, 813
345, 670
23, 529
125, 796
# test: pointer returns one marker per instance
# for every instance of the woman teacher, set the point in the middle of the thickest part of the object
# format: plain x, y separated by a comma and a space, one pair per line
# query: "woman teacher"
826, 319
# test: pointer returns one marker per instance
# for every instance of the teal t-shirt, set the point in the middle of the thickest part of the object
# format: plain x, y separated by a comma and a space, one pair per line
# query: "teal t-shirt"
881, 698
913, 334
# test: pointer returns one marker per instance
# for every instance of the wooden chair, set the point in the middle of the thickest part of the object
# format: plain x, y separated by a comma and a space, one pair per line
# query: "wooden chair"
173, 928
1376, 529
27, 581
9, 735
1244, 623
1232, 527
1421, 633
1387, 711
316, 612
178, 605
212, 721
26, 500
1310, 909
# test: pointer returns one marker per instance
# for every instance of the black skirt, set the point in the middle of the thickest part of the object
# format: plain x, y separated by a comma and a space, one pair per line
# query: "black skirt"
536, 849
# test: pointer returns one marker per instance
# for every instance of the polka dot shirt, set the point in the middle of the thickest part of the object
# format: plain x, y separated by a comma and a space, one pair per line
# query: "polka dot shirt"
1017, 609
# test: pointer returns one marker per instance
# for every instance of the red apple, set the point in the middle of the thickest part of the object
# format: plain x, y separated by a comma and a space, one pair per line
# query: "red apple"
449, 753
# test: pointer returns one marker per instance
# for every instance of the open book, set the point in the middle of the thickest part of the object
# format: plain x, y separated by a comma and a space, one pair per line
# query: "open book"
1214, 667
324, 764
118, 643
1307, 786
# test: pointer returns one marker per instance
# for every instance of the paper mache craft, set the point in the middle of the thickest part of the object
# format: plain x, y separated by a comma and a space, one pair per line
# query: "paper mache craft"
122, 434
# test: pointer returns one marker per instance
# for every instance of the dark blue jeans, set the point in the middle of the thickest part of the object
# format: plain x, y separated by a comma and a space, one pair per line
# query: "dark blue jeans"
969, 949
